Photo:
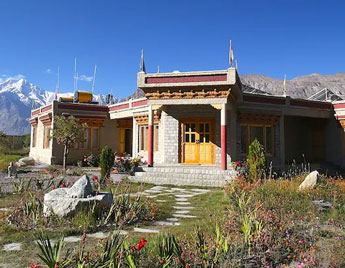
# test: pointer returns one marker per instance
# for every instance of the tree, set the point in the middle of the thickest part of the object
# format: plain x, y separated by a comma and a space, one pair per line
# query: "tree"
256, 160
68, 131
106, 162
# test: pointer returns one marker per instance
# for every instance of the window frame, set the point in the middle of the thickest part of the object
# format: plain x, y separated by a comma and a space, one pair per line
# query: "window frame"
264, 126
34, 137
80, 146
143, 132
46, 137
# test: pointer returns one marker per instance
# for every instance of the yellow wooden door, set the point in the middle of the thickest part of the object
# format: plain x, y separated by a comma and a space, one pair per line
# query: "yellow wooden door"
198, 145
205, 143
122, 140
190, 143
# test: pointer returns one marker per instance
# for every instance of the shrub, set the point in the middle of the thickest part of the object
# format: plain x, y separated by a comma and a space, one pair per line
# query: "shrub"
93, 160
256, 160
106, 162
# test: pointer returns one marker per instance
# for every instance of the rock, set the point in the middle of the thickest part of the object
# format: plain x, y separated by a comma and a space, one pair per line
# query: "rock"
12, 247
142, 230
26, 161
310, 181
82, 188
70, 172
322, 205
65, 202
12, 170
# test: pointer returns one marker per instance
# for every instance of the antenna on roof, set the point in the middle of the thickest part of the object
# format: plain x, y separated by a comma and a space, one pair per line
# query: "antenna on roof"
75, 74
94, 79
284, 86
158, 70
236, 65
142, 63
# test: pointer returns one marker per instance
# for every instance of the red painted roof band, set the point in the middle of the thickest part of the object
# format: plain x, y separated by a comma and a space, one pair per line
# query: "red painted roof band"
186, 79
82, 107
139, 103
119, 107
264, 100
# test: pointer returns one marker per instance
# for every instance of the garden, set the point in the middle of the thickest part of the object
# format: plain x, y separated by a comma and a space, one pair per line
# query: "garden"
261, 219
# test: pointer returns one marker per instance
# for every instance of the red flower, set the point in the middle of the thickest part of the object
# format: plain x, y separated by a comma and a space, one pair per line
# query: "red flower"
238, 163
141, 244
35, 266
53, 187
63, 185
95, 178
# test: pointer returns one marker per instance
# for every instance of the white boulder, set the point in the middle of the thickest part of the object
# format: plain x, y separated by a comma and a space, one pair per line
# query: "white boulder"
65, 202
26, 161
310, 181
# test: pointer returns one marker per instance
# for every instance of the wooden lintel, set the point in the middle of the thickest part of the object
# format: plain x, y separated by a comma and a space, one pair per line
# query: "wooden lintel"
217, 106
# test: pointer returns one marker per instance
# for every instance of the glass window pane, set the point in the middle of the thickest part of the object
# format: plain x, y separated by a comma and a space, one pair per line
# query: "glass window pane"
256, 133
192, 127
269, 145
202, 138
243, 139
187, 137
207, 138
95, 138
201, 128
86, 143
192, 137
207, 127
187, 128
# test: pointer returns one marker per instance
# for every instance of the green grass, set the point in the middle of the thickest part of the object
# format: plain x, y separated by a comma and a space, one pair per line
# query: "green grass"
5, 159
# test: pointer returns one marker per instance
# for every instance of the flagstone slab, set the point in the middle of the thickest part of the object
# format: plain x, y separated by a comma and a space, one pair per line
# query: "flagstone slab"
184, 216
179, 199
184, 195
142, 230
161, 201
166, 223
173, 219
98, 235
182, 211
182, 203
72, 239
13, 247
4, 209
177, 207
200, 190
153, 191
178, 189
121, 232
159, 188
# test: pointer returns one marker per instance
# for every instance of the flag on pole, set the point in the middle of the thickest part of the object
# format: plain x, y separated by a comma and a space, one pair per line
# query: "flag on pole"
57, 84
284, 86
231, 55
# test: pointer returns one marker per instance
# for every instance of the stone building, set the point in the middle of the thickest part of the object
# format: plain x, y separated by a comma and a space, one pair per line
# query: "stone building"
192, 125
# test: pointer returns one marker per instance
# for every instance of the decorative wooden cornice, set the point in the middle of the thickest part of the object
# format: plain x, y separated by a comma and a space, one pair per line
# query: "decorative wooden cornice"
143, 119
46, 119
192, 94
124, 123
342, 123
34, 121
260, 119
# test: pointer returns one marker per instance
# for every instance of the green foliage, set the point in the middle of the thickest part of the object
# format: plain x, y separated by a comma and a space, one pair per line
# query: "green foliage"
256, 160
14, 144
68, 131
106, 162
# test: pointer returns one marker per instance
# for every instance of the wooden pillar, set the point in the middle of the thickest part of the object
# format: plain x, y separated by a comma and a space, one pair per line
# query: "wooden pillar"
223, 138
150, 149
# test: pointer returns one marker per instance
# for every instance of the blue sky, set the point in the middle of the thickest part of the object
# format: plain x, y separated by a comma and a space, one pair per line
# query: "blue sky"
269, 37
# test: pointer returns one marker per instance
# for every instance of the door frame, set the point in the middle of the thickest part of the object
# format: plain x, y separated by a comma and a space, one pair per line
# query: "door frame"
212, 121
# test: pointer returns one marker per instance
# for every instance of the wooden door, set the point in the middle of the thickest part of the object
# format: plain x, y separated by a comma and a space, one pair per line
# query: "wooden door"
198, 141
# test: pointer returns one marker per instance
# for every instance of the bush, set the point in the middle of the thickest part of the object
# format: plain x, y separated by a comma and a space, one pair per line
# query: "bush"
106, 162
91, 160
256, 161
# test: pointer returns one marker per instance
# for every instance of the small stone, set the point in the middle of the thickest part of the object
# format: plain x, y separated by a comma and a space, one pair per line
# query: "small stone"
12, 170
200, 190
142, 230
161, 201
120, 232
13, 247
26, 161
4, 209
164, 223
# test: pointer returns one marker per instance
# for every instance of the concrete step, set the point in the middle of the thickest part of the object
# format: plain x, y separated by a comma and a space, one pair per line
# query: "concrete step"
211, 170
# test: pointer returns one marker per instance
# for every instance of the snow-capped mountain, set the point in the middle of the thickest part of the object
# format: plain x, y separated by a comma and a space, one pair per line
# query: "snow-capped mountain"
18, 97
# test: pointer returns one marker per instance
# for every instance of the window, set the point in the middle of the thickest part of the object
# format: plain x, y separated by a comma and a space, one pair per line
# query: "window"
46, 138
91, 139
263, 133
144, 138
34, 136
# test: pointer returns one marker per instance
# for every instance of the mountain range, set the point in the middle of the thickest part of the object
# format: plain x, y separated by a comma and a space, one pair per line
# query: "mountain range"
17, 97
